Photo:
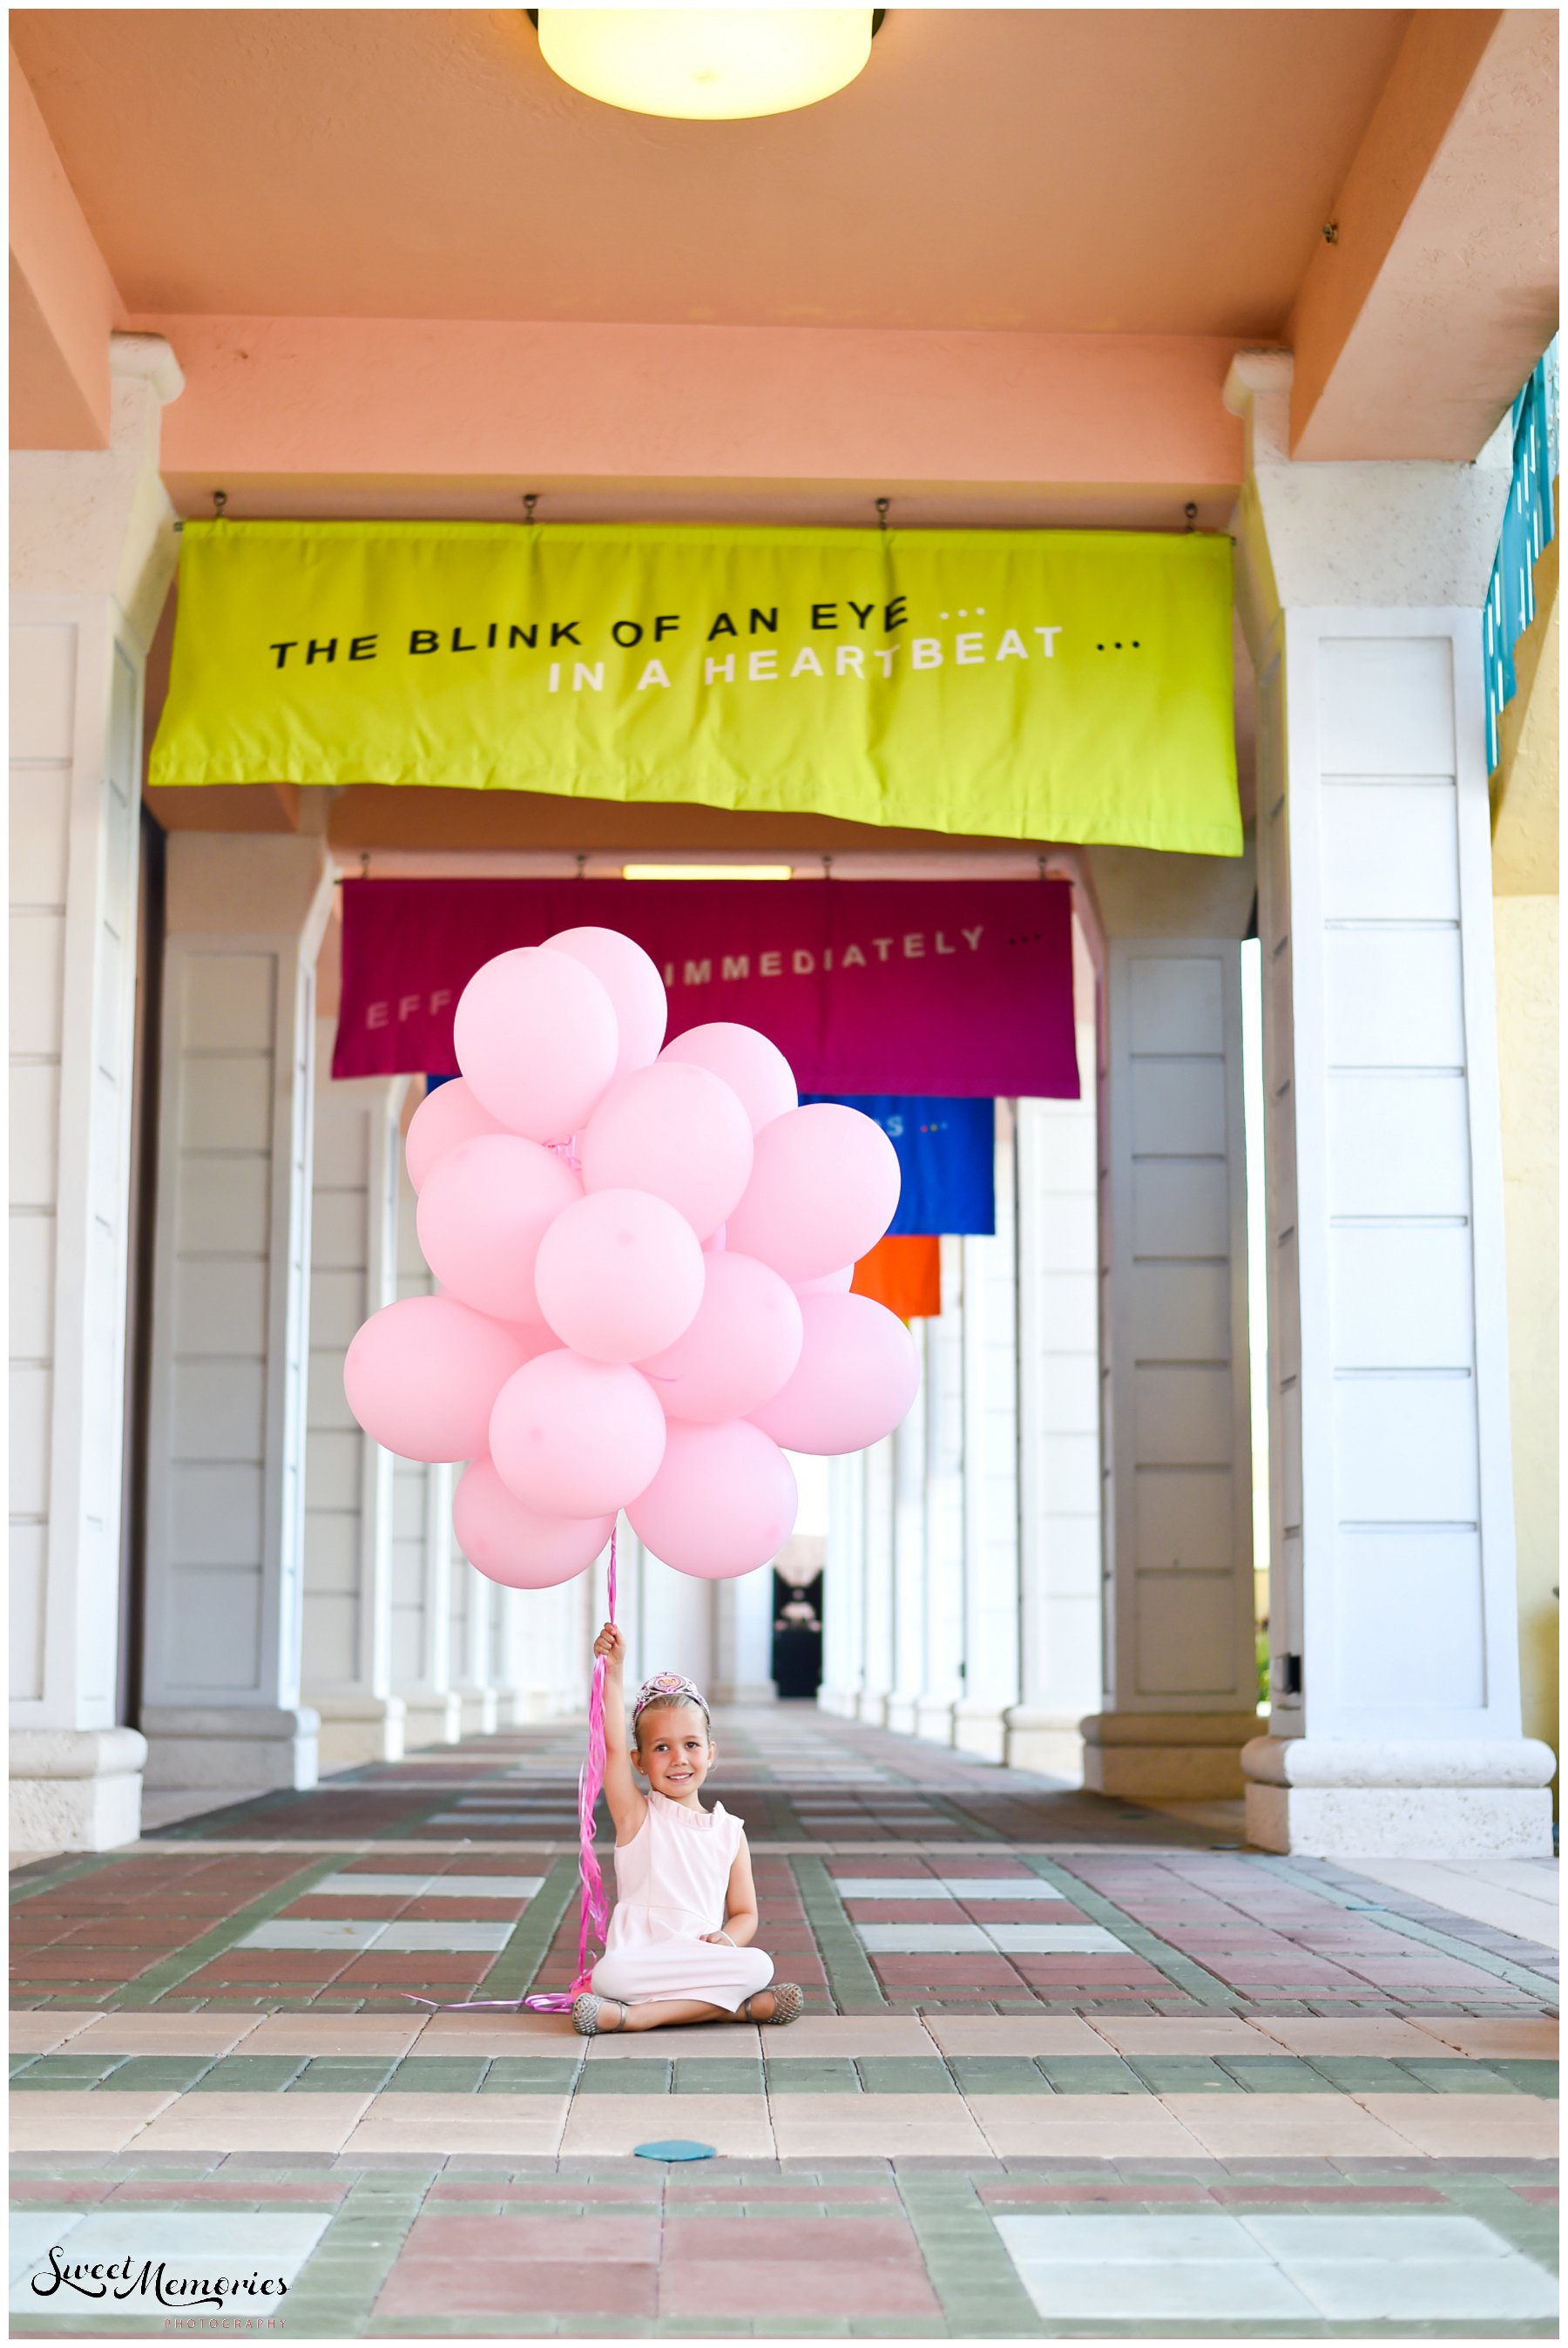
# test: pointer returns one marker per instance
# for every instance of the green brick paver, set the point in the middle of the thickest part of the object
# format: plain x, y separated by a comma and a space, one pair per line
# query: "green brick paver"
1273, 2074
716, 2075
178, 2072
852, 1983
1090, 2074
1185, 2075
522, 2074
250, 2075
895, 2074
802, 2076
328, 2075
630, 2076
437, 2074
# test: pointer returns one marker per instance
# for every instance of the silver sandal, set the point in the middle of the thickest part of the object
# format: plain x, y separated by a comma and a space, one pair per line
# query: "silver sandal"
789, 2004
586, 2011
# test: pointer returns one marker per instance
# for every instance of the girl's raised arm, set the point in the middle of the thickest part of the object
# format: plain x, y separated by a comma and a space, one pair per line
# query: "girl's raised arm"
628, 1804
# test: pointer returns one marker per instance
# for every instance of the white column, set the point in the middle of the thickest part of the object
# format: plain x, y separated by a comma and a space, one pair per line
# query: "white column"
744, 1639
910, 1553
93, 552
471, 1648
348, 1557
1179, 1655
1395, 1721
842, 1590
991, 1468
942, 1663
876, 1585
668, 1618
543, 1643
1059, 1427
512, 1671
230, 1313
422, 1549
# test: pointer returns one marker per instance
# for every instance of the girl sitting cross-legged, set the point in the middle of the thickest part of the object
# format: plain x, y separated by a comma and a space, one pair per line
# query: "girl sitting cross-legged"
678, 1949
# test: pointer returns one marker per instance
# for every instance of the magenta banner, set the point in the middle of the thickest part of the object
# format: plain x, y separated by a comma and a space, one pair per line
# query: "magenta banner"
867, 986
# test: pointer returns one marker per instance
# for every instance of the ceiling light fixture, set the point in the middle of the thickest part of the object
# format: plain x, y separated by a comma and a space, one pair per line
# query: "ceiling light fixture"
707, 65
707, 872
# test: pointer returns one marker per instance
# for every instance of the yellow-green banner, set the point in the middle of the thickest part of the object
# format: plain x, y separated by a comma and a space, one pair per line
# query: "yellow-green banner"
1036, 684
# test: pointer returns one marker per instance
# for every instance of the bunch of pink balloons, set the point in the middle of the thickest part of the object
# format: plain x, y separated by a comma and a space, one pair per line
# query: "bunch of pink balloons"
644, 1258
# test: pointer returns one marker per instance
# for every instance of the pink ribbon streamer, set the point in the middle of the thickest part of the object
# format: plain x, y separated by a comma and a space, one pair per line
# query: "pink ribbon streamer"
593, 1918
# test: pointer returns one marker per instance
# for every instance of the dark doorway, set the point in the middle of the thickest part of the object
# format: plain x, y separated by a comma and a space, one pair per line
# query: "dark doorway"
797, 1635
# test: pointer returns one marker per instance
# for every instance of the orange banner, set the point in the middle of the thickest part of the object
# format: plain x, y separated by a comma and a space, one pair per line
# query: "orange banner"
904, 1273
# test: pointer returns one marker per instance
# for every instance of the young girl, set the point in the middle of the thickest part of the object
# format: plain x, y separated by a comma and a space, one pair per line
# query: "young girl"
678, 1949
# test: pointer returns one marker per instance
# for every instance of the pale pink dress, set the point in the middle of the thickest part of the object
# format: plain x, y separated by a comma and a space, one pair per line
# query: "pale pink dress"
671, 1885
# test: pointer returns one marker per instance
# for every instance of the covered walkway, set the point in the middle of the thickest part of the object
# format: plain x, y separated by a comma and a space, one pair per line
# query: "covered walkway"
1067, 2064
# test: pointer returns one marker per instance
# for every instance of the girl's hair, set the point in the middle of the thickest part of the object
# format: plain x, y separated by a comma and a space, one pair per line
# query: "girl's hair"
668, 1692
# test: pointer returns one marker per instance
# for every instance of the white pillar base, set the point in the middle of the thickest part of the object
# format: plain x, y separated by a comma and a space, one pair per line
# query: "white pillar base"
431, 1720
743, 1692
1332, 1800
901, 1710
1048, 1743
978, 1728
933, 1719
842, 1703
76, 1789
231, 1747
359, 1729
871, 1706
1167, 1756
481, 1710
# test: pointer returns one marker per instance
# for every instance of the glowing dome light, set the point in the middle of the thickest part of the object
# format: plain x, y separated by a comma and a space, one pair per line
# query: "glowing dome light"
706, 64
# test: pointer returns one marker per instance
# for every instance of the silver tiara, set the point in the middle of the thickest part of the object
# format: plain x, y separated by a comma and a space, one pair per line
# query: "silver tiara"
665, 1686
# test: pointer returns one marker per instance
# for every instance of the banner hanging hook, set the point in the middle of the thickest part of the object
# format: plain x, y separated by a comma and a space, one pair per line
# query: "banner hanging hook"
530, 500
882, 506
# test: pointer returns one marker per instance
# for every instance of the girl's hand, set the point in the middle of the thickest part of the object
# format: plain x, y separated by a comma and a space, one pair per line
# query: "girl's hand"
612, 1646
719, 1936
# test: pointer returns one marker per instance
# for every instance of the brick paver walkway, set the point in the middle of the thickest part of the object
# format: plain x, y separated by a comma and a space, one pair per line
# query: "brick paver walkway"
1067, 2068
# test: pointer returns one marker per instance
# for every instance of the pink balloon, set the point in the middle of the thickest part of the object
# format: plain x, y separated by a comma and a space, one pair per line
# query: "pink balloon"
755, 1070
823, 1186
576, 1438
630, 979
618, 1275
483, 1209
831, 1283
514, 1545
740, 1349
444, 1118
723, 1503
421, 1377
856, 1377
674, 1131
536, 1040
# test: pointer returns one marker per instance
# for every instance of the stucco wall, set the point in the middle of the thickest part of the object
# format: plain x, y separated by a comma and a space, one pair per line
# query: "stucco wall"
1525, 910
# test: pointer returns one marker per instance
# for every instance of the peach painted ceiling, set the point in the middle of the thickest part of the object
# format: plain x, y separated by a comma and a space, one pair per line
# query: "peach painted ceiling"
1089, 170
